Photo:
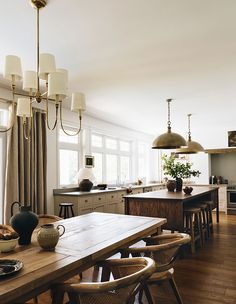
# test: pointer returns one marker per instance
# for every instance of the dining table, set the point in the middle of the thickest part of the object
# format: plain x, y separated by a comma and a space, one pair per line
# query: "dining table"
87, 239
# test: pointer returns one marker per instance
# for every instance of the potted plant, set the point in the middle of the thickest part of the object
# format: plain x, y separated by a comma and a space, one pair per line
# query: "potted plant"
178, 170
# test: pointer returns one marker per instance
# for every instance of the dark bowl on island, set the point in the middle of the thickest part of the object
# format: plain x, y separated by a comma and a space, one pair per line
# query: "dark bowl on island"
188, 190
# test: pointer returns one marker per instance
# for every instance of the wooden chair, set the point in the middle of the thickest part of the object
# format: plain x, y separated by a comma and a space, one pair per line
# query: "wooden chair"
163, 249
129, 276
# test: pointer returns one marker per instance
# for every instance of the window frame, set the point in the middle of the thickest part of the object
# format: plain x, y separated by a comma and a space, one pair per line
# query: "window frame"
105, 151
70, 147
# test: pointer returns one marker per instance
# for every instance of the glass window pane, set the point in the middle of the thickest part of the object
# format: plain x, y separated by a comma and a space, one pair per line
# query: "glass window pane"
142, 148
124, 146
97, 170
124, 168
69, 161
96, 141
111, 168
111, 143
66, 138
142, 167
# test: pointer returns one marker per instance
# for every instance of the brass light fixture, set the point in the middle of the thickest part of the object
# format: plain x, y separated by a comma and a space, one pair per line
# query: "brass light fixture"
55, 82
169, 140
192, 146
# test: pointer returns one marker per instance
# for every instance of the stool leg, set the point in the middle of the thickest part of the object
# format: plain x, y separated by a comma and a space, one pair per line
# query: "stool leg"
211, 220
199, 227
192, 234
60, 212
72, 212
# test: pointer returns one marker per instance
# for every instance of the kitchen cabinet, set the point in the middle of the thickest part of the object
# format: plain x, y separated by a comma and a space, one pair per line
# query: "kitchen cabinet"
222, 197
104, 201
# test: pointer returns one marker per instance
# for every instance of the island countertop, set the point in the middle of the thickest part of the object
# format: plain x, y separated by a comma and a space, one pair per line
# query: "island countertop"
164, 194
170, 205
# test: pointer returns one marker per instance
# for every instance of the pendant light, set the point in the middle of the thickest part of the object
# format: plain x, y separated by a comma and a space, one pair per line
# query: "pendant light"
169, 140
192, 146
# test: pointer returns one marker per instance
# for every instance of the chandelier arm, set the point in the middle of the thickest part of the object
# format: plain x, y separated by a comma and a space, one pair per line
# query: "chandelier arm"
27, 135
62, 127
11, 120
12, 112
56, 119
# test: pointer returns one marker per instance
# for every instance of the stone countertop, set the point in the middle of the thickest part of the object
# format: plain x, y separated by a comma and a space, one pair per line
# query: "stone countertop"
76, 192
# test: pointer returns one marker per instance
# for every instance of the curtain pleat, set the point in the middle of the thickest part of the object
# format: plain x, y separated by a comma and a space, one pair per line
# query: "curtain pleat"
26, 166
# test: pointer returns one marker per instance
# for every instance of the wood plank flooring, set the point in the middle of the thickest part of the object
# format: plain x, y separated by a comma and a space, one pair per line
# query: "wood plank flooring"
207, 277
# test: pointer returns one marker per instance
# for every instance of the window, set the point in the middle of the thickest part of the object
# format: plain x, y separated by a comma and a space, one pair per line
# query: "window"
111, 168
98, 169
143, 153
112, 159
68, 158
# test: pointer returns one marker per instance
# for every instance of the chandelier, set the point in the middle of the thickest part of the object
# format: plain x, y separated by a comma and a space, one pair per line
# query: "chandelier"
56, 87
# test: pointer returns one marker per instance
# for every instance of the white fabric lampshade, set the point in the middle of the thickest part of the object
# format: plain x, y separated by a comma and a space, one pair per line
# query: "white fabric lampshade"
86, 173
57, 85
30, 81
78, 102
12, 67
47, 65
24, 107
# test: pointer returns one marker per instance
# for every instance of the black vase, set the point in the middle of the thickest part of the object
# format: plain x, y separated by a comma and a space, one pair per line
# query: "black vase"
85, 185
179, 184
24, 223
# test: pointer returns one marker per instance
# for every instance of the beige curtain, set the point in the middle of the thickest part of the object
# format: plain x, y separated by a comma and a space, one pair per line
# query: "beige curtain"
26, 179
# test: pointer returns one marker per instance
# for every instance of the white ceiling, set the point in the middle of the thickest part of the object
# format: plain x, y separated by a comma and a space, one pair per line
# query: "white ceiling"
128, 56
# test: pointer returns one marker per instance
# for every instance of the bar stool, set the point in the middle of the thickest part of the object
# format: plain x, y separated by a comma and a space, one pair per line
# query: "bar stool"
193, 226
205, 219
65, 209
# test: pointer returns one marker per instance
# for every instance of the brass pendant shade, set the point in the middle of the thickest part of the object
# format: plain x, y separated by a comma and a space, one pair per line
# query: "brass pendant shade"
169, 140
192, 146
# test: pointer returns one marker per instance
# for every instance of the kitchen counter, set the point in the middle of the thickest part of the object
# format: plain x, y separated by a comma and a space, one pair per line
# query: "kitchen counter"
76, 192
110, 200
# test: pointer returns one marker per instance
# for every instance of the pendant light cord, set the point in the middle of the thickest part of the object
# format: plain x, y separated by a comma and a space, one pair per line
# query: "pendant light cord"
169, 122
37, 49
189, 132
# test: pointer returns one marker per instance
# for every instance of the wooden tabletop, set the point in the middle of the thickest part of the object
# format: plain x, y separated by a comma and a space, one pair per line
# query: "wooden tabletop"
88, 238
168, 195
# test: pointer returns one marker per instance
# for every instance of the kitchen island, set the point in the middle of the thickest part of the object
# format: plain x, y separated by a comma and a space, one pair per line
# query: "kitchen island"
169, 205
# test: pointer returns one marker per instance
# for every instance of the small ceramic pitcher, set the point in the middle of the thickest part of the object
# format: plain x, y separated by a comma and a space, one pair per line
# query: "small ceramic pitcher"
48, 236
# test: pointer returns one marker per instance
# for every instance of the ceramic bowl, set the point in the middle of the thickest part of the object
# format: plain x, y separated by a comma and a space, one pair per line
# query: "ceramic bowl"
8, 245
101, 186
188, 190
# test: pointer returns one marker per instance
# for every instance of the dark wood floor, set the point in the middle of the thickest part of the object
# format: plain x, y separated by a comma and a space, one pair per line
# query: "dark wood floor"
208, 276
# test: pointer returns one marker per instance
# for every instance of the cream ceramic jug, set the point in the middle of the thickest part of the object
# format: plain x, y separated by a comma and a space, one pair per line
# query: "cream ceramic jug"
48, 236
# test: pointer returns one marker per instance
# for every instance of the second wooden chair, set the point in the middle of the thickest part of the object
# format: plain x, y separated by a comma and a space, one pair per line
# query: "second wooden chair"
163, 249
